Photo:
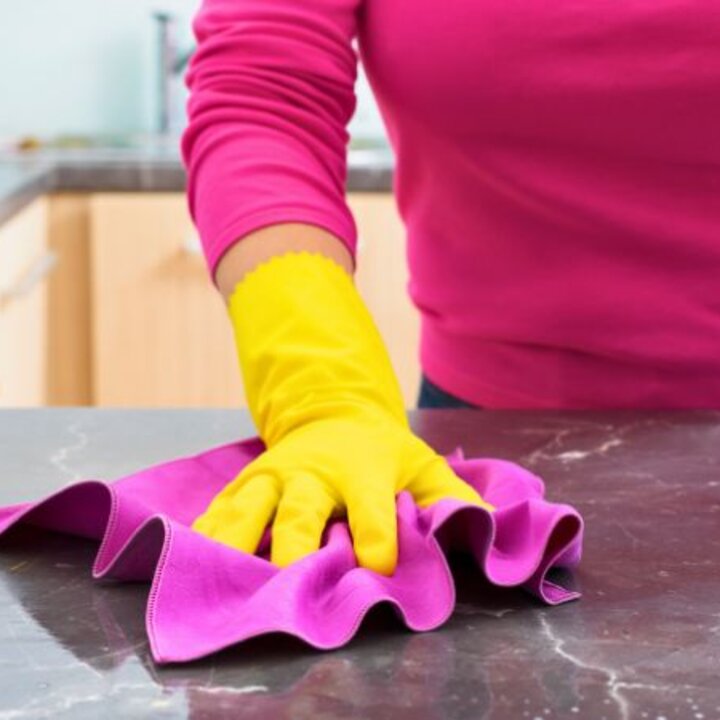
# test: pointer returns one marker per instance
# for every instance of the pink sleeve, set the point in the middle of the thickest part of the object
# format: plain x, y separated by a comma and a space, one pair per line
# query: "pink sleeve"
272, 89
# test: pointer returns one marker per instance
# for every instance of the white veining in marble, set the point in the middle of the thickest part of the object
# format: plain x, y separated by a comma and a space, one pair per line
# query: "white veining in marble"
614, 683
571, 455
556, 448
59, 459
462, 608
232, 690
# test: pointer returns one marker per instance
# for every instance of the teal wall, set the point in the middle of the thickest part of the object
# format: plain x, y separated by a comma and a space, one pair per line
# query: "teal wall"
90, 67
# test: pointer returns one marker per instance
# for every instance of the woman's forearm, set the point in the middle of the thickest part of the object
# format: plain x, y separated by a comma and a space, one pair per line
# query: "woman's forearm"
277, 239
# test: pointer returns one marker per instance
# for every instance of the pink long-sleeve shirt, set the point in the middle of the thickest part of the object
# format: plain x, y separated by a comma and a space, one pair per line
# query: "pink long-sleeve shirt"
557, 171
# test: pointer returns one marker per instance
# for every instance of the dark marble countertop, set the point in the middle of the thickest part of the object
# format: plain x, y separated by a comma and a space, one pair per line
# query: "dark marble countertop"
643, 641
151, 166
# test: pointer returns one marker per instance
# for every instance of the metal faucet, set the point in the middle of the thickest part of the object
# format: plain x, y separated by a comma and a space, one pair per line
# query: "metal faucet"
171, 64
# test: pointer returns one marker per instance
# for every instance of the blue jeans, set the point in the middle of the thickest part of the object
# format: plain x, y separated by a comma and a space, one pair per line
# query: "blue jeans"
432, 396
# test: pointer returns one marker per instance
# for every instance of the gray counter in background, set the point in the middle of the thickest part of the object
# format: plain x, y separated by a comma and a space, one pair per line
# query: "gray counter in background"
151, 167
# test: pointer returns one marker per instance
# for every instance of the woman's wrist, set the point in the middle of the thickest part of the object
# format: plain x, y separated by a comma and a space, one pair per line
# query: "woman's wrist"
262, 244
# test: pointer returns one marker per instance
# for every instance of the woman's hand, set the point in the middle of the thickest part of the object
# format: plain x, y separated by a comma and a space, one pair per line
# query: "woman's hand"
329, 468
327, 404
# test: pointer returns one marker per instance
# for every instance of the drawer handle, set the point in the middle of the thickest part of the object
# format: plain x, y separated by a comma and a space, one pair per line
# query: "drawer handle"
29, 279
192, 245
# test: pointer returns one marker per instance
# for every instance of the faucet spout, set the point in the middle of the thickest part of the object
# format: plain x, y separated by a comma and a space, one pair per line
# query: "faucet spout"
171, 63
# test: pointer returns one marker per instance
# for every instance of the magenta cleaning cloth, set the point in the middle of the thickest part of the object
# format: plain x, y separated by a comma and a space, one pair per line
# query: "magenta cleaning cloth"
206, 596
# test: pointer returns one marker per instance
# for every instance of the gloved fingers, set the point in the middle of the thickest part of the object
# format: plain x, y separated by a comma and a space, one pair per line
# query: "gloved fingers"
437, 480
241, 519
205, 523
371, 510
302, 513
218, 508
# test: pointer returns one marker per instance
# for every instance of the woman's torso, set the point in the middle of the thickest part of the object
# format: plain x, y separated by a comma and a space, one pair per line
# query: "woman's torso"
558, 171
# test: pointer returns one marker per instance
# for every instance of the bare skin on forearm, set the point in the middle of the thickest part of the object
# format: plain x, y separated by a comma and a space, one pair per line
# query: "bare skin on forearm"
266, 242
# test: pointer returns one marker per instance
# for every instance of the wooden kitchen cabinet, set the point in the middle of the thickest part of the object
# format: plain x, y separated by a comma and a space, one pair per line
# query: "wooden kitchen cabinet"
24, 265
159, 331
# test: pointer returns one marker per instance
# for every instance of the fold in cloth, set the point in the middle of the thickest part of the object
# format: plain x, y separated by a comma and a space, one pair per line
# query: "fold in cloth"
206, 596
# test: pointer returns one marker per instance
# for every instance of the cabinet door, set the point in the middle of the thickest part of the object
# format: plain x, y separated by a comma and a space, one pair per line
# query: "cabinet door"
69, 373
160, 333
24, 263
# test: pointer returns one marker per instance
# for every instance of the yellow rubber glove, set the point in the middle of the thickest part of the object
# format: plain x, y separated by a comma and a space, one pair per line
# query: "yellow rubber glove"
326, 402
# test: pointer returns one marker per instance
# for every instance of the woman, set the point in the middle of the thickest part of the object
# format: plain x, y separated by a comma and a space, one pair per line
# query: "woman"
558, 173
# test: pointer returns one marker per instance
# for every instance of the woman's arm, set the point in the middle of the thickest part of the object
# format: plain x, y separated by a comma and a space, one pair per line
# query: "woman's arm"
272, 90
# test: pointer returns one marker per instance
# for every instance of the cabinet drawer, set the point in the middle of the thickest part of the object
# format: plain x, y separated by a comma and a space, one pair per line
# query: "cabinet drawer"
24, 264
